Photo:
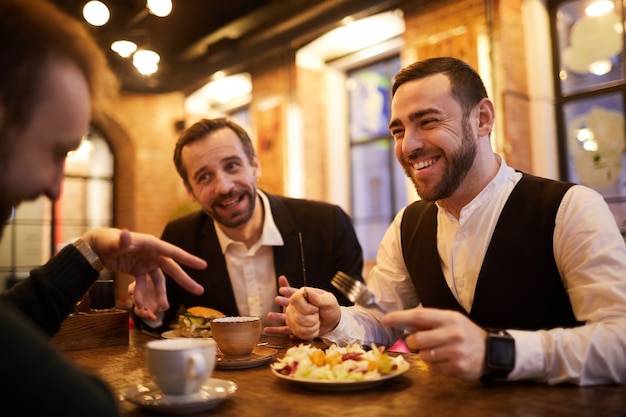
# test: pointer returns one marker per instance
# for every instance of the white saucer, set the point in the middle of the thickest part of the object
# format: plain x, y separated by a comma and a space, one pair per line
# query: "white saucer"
150, 397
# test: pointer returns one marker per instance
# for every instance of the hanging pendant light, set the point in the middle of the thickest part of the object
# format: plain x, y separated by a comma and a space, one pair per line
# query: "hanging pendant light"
96, 13
160, 8
146, 61
124, 48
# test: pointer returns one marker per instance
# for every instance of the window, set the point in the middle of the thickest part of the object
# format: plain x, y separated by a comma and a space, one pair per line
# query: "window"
588, 57
87, 198
40, 228
378, 182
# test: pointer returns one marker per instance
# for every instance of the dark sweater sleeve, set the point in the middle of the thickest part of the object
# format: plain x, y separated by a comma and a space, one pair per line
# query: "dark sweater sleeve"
51, 292
37, 379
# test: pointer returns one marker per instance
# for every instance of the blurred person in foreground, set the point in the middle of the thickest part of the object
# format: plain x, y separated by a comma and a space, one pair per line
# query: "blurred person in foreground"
249, 238
497, 274
52, 75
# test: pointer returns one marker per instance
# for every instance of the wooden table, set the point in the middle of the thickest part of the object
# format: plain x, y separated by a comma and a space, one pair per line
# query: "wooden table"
418, 392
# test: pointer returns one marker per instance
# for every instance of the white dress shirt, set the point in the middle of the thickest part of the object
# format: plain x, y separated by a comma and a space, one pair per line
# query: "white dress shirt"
251, 270
590, 254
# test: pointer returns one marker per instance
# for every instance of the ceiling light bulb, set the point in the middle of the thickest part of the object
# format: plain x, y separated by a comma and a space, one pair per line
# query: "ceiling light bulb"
124, 48
146, 61
160, 8
96, 13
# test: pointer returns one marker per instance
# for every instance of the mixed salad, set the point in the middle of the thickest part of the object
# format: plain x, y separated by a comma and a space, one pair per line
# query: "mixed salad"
349, 363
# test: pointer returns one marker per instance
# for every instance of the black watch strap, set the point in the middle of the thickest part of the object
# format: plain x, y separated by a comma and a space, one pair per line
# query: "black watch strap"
499, 356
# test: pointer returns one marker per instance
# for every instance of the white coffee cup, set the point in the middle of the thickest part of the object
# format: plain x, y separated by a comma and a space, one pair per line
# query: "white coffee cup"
180, 366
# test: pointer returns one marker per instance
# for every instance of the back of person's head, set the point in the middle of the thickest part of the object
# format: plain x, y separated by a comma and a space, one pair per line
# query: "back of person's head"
34, 33
203, 128
465, 84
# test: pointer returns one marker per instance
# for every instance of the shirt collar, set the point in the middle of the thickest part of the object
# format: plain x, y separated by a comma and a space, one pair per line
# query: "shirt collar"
504, 175
270, 236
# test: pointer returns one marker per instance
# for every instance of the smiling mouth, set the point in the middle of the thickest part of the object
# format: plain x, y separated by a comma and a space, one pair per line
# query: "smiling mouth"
424, 164
230, 202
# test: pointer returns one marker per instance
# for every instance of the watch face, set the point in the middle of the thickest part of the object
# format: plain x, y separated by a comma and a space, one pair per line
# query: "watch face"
502, 353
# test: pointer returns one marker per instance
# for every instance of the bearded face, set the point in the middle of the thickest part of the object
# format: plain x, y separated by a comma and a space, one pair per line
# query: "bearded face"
458, 164
235, 208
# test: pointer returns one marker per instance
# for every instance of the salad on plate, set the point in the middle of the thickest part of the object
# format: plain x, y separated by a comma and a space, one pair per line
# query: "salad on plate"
349, 363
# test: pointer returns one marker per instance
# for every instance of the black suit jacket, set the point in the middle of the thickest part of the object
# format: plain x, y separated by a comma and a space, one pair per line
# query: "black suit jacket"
329, 241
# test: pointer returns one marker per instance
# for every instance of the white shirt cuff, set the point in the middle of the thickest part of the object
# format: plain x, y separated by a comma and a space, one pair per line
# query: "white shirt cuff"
529, 356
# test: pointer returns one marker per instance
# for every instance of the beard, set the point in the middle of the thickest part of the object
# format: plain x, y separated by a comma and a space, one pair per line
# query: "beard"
234, 219
459, 164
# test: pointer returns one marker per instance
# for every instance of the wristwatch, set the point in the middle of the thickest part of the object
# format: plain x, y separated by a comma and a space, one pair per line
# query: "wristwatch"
500, 355
91, 256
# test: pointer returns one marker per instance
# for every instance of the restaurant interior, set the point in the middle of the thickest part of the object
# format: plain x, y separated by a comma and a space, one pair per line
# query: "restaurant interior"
310, 79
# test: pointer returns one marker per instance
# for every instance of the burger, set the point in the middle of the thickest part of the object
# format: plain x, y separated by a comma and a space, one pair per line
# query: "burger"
196, 321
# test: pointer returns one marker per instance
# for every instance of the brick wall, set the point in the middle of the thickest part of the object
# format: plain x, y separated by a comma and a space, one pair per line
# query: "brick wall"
142, 134
312, 107
509, 60
272, 85
443, 28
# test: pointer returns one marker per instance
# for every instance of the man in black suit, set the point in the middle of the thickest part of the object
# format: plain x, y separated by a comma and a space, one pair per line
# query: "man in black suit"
249, 238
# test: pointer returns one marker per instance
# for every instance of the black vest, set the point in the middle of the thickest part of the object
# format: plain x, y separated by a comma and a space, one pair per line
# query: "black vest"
519, 286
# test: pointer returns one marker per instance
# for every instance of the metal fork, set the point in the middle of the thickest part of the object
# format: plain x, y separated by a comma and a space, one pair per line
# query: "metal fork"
355, 290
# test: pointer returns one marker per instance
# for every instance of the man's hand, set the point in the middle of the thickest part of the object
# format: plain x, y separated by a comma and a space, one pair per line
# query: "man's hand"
313, 316
147, 259
151, 306
285, 290
447, 340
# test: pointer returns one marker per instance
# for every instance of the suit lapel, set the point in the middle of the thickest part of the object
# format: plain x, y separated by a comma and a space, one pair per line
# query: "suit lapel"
286, 257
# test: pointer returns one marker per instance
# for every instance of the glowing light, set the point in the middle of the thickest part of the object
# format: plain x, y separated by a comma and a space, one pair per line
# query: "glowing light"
96, 13
599, 8
146, 61
355, 35
584, 135
124, 48
600, 67
160, 8
225, 89
590, 145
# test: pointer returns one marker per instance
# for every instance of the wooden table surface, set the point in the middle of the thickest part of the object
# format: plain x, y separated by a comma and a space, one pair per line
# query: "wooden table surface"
418, 392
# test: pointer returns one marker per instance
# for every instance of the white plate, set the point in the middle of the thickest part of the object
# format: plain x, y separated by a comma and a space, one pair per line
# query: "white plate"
329, 385
259, 356
150, 397
171, 334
